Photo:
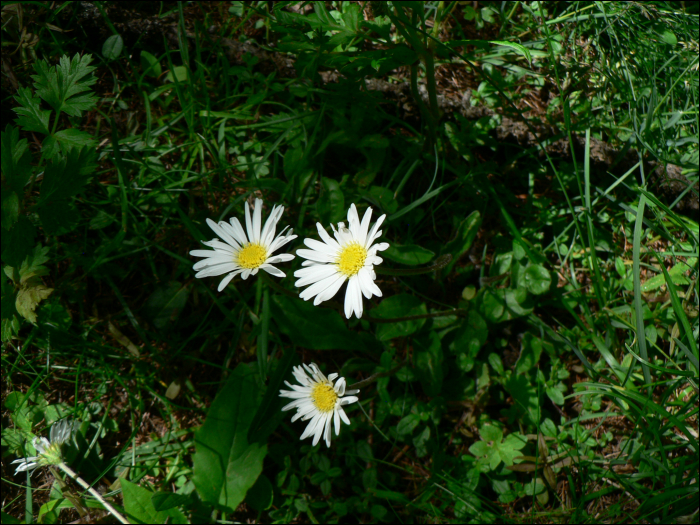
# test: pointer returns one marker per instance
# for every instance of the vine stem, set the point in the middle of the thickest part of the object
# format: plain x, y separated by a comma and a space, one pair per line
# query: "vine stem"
80, 481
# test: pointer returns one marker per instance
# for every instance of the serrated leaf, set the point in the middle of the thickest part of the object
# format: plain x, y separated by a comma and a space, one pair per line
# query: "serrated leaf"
16, 159
33, 265
18, 242
58, 216
61, 86
10, 208
28, 298
112, 47
66, 176
31, 116
71, 137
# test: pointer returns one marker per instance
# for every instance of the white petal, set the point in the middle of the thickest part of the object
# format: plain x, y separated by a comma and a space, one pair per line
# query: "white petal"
224, 282
316, 256
343, 416
321, 247
364, 227
257, 220
238, 231
331, 290
218, 269
318, 287
223, 235
314, 274
272, 270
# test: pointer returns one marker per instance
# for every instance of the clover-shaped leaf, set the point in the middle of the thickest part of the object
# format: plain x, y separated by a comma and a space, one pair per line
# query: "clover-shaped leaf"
493, 449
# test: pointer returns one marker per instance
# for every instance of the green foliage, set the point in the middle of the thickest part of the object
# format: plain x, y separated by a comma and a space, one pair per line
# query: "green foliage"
548, 368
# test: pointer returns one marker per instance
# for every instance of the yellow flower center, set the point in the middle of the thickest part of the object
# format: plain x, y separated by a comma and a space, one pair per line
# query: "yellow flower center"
252, 255
324, 397
352, 259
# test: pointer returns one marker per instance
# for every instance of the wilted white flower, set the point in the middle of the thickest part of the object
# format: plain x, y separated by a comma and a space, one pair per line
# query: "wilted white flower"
48, 450
238, 254
351, 257
318, 400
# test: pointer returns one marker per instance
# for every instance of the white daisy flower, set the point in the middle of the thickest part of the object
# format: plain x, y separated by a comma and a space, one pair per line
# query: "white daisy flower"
238, 254
48, 451
318, 400
350, 256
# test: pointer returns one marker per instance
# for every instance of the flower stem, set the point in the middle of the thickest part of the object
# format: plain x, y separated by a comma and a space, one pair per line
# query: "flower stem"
114, 512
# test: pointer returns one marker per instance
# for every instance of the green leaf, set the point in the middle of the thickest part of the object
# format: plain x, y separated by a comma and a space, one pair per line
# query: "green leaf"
536, 279
382, 197
58, 217
10, 208
66, 176
521, 49
407, 424
260, 495
33, 266
31, 116
112, 47
427, 359
225, 464
466, 233
178, 74
71, 137
150, 64
401, 305
16, 159
317, 328
555, 395
29, 297
409, 254
530, 351
165, 303
491, 433
168, 500
139, 508
18, 242
676, 273
64, 86
331, 202
470, 337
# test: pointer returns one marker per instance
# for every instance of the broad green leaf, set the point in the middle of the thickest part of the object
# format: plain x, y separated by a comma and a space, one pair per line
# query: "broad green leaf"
31, 116
536, 279
168, 500
33, 265
66, 176
165, 303
317, 328
491, 433
64, 86
112, 47
16, 161
401, 305
58, 216
331, 202
466, 233
409, 254
260, 495
150, 64
427, 359
139, 508
225, 464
